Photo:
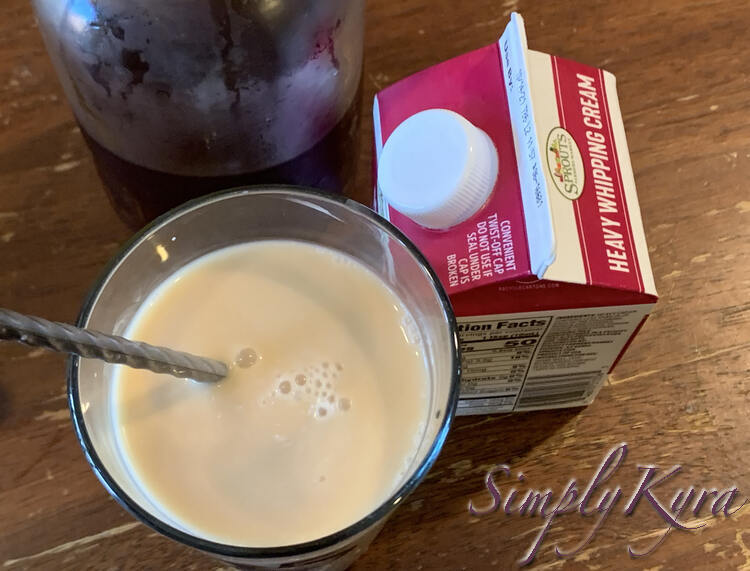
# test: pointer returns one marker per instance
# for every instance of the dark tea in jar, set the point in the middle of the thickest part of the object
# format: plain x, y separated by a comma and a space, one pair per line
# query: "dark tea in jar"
181, 98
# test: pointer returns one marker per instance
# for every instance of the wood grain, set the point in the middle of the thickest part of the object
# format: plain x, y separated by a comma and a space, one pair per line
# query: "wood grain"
681, 395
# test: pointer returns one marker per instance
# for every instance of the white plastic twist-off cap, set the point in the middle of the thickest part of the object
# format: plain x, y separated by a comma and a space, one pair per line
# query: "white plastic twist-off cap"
437, 168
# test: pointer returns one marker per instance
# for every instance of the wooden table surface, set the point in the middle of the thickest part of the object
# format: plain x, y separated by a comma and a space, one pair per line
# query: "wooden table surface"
681, 395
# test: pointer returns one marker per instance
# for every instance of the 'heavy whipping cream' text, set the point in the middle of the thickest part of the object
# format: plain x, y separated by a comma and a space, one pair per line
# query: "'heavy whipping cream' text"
601, 171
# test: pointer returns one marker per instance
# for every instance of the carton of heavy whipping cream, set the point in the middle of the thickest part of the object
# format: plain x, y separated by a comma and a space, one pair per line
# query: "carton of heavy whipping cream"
509, 169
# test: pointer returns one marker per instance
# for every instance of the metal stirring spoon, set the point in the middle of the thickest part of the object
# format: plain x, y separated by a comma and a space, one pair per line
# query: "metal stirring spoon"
65, 338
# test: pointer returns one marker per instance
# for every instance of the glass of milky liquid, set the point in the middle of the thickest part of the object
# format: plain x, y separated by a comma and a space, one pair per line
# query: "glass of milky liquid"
343, 381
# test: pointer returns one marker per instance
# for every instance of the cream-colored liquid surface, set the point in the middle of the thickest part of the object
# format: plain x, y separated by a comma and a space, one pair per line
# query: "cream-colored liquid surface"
319, 418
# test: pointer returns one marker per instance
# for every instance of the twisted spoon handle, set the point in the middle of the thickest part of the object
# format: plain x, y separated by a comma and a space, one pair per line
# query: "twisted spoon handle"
66, 338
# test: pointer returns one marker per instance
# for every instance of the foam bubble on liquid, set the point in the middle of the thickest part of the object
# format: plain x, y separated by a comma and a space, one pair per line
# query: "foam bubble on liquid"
314, 385
246, 358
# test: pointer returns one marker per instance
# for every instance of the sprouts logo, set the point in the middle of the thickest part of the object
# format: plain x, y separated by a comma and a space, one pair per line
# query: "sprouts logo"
565, 163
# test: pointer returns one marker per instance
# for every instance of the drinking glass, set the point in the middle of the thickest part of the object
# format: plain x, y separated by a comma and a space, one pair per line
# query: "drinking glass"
244, 215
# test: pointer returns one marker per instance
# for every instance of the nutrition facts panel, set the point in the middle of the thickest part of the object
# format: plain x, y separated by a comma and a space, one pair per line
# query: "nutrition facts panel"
496, 354
543, 359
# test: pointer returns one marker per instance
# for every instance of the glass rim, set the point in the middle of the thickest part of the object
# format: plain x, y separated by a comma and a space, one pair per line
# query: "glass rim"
236, 551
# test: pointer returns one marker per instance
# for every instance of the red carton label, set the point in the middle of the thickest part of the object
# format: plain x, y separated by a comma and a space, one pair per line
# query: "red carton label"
491, 245
604, 230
